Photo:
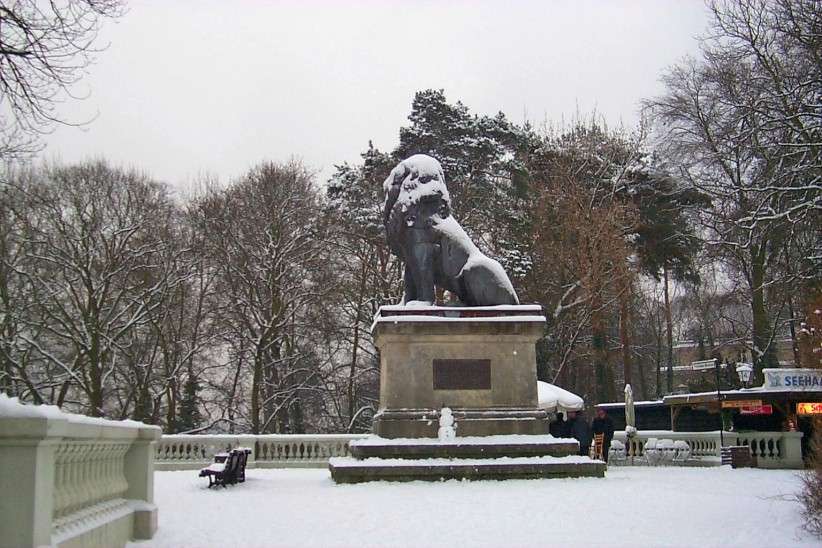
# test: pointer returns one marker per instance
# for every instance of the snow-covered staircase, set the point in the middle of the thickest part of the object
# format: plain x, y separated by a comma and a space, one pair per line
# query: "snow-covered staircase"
469, 458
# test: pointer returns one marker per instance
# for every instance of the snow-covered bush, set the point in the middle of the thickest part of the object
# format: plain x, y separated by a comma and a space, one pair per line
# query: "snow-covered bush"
811, 494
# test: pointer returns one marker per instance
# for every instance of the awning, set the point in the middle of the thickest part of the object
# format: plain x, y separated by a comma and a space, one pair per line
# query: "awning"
553, 397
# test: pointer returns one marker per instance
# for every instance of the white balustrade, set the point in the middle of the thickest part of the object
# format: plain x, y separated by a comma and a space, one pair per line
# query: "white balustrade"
74, 480
771, 449
188, 452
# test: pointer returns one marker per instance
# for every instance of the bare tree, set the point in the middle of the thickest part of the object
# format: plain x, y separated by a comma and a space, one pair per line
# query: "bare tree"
742, 124
777, 45
582, 221
44, 48
264, 238
95, 266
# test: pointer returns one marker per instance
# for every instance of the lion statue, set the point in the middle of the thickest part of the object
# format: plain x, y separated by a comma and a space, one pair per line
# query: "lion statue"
435, 248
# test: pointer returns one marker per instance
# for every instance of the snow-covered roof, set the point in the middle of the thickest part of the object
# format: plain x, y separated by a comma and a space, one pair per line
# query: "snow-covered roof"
553, 397
645, 403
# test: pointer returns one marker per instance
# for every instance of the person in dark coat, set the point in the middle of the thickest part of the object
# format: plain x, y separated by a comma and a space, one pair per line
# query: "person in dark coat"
579, 430
559, 427
603, 424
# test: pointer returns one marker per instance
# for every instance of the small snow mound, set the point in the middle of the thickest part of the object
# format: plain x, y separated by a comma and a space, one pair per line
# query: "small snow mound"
13, 408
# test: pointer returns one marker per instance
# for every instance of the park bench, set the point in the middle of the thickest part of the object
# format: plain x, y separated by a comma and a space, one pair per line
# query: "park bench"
227, 468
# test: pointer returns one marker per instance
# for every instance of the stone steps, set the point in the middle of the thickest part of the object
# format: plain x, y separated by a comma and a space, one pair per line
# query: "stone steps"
476, 458
507, 446
351, 470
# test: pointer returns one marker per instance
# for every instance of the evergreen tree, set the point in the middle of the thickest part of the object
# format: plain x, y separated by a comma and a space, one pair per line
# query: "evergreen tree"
367, 275
665, 240
189, 417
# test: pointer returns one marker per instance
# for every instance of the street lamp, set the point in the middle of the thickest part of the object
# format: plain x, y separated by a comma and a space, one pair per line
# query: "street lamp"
719, 403
745, 371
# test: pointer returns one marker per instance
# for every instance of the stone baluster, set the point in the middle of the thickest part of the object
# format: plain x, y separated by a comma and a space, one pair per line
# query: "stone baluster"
60, 480
98, 475
92, 477
75, 478
87, 474
272, 449
112, 465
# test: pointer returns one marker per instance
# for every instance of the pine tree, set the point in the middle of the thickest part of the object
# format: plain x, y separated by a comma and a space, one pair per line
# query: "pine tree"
368, 276
189, 417
665, 240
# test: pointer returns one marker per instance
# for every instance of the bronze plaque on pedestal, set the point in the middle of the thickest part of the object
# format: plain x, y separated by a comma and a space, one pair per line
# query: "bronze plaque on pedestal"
462, 374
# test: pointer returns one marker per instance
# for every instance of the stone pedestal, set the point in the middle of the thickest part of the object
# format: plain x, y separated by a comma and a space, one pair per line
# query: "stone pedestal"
479, 361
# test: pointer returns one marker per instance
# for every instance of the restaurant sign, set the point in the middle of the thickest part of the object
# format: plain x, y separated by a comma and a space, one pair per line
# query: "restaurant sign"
739, 404
809, 380
766, 409
809, 408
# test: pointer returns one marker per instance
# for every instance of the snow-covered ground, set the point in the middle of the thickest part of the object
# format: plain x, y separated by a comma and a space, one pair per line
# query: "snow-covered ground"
630, 507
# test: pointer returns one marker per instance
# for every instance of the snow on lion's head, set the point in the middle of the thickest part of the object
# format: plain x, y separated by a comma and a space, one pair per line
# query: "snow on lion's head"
416, 179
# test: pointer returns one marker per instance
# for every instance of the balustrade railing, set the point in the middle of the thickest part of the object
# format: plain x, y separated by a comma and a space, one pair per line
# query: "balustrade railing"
771, 449
774, 449
70, 479
88, 476
187, 452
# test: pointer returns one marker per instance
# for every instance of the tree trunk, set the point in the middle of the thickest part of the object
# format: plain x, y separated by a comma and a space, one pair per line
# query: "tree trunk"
171, 410
271, 385
352, 374
669, 333
232, 396
603, 376
797, 357
763, 354
625, 336
256, 385
643, 383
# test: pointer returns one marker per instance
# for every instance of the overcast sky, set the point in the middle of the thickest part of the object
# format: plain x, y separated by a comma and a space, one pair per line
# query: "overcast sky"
187, 88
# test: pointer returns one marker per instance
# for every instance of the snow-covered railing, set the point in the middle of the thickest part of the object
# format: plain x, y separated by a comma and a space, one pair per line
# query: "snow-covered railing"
188, 452
771, 449
70, 479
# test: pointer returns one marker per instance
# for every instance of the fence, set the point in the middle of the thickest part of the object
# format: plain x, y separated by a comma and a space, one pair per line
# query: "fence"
73, 480
187, 452
771, 449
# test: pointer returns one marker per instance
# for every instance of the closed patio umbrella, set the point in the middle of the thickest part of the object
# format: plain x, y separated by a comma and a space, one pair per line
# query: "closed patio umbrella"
630, 417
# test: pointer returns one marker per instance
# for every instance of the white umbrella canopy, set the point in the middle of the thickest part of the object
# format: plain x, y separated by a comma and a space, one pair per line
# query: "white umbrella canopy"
552, 397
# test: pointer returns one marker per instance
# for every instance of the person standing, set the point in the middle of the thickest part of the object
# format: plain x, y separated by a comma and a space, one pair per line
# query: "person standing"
559, 427
580, 431
603, 424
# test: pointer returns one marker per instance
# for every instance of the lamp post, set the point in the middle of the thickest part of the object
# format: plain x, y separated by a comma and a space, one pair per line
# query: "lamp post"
719, 403
745, 372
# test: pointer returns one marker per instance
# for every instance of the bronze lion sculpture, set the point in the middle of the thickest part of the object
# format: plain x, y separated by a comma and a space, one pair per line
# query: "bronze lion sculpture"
435, 248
